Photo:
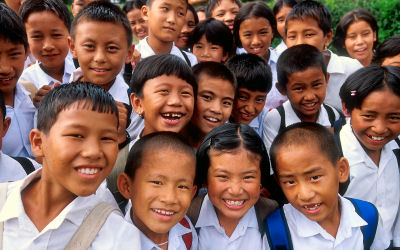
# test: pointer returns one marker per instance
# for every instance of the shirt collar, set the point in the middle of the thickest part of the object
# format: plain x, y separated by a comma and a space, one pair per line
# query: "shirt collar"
292, 118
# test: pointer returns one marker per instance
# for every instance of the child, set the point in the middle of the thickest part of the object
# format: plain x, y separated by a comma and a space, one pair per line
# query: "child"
357, 36
388, 53
76, 6
281, 10
139, 26
211, 40
19, 107
160, 193
302, 77
309, 168
254, 80
165, 20
214, 102
191, 20
372, 98
76, 136
309, 22
47, 24
224, 10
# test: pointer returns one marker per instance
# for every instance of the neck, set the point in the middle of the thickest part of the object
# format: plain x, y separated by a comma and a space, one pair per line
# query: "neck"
228, 224
56, 72
367, 61
308, 118
9, 98
375, 155
159, 47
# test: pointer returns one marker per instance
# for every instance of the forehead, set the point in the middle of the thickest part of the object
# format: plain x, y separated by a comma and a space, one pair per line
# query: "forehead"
253, 23
244, 90
309, 75
215, 84
176, 3
302, 24
381, 101
171, 81
6, 44
41, 19
234, 161
101, 31
225, 5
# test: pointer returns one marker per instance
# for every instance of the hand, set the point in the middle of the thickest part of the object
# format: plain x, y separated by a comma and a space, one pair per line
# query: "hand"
41, 93
123, 117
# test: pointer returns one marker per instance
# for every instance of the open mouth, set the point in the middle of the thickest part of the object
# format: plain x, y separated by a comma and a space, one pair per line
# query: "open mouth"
312, 208
246, 116
377, 138
169, 29
256, 50
310, 106
234, 204
89, 171
6, 79
163, 212
212, 119
172, 118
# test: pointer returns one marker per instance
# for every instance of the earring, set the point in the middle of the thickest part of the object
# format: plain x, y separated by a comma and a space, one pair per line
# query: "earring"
141, 116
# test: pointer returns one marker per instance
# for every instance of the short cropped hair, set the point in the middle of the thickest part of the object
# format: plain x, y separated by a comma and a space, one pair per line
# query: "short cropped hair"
161, 141
214, 70
256, 10
57, 7
216, 32
133, 4
158, 65
389, 48
306, 134
2, 106
252, 72
11, 26
312, 9
366, 80
101, 11
63, 96
297, 59
212, 3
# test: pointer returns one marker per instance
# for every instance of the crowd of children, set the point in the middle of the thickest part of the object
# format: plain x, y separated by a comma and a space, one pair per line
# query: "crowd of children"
164, 126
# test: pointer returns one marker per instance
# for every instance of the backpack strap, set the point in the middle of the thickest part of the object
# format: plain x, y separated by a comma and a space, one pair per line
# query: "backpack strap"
186, 58
90, 227
26, 164
277, 231
194, 209
264, 207
3, 198
369, 213
281, 112
397, 152
331, 114
187, 237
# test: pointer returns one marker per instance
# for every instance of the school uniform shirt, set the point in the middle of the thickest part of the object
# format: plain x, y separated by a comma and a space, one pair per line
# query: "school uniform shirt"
281, 47
10, 169
376, 184
175, 240
257, 123
16, 141
30, 60
212, 236
39, 78
308, 234
145, 51
339, 68
20, 233
272, 121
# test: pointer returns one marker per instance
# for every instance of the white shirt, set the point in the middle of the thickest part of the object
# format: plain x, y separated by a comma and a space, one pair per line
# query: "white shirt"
258, 122
308, 234
16, 141
145, 51
376, 184
281, 47
339, 68
212, 236
272, 121
10, 169
20, 233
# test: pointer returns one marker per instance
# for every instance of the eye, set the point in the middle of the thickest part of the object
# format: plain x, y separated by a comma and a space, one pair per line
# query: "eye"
112, 49
249, 177
316, 85
395, 118
88, 46
36, 37
156, 182
214, 48
260, 100
309, 35
108, 138
165, 9
227, 103
197, 46
242, 98
289, 182
297, 89
367, 116
141, 20
291, 37
15, 54
78, 136
220, 14
186, 93
181, 14
207, 97
315, 178
183, 187
133, 22
57, 35
222, 177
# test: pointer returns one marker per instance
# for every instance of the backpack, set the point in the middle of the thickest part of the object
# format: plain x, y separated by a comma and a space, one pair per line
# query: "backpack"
186, 57
26, 164
278, 234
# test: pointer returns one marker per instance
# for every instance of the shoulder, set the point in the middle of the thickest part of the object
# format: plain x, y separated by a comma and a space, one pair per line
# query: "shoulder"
348, 64
10, 169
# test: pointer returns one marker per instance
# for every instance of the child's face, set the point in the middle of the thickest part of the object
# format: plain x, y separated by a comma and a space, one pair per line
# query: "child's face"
76, 6
310, 182
80, 149
188, 27
281, 18
225, 11
138, 24
248, 105
48, 39
306, 92
208, 52
214, 103
165, 19
167, 104
12, 59
359, 42
256, 36
233, 183
306, 31
162, 190
392, 61
101, 49
377, 122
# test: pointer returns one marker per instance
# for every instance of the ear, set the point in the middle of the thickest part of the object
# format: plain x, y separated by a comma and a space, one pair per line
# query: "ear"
225, 57
194, 190
374, 36
346, 113
327, 77
328, 39
145, 12
130, 54
280, 89
71, 45
36, 137
137, 106
343, 169
124, 185
6, 125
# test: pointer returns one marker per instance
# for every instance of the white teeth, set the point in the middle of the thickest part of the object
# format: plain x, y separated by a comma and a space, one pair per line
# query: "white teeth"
211, 119
312, 207
100, 70
377, 138
163, 212
4, 80
88, 170
172, 115
309, 104
234, 203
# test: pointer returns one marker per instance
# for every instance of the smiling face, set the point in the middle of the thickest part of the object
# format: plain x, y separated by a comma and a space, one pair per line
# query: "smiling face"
359, 42
188, 27
101, 49
76, 6
306, 92
48, 43
138, 24
256, 36
233, 183
208, 52
281, 18
225, 11
79, 151
248, 105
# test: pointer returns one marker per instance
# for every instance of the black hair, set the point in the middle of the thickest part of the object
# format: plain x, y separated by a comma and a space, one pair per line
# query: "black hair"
150, 2
64, 96
306, 134
281, 3
191, 8
57, 7
312, 9
159, 141
133, 4
211, 5
256, 10
252, 72
201, 9
2, 106
101, 11
215, 70
11, 26
216, 32
158, 65
366, 80
389, 48
298, 59
344, 24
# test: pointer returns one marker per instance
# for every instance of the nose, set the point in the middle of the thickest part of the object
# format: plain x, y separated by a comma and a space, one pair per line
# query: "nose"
235, 188
99, 56
305, 192
379, 126
359, 39
5, 68
174, 99
256, 40
168, 195
309, 95
229, 17
216, 107
91, 148
48, 44
171, 17
185, 29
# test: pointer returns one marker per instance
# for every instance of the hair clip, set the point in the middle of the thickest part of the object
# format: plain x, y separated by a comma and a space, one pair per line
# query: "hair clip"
353, 92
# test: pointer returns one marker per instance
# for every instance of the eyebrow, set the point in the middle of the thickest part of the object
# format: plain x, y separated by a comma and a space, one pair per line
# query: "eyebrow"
305, 173
207, 92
